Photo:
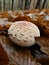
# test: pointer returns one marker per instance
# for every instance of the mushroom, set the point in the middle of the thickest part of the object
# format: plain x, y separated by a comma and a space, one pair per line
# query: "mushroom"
23, 33
34, 16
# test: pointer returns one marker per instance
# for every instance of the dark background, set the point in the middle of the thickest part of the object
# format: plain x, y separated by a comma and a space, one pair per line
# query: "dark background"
23, 4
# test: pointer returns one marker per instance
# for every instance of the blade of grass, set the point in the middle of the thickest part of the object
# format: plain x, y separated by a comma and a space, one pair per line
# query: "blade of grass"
4, 5
12, 4
0, 6
44, 3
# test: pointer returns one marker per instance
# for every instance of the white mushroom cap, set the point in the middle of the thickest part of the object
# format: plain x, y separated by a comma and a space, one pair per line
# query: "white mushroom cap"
42, 13
46, 18
32, 15
23, 33
4, 21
